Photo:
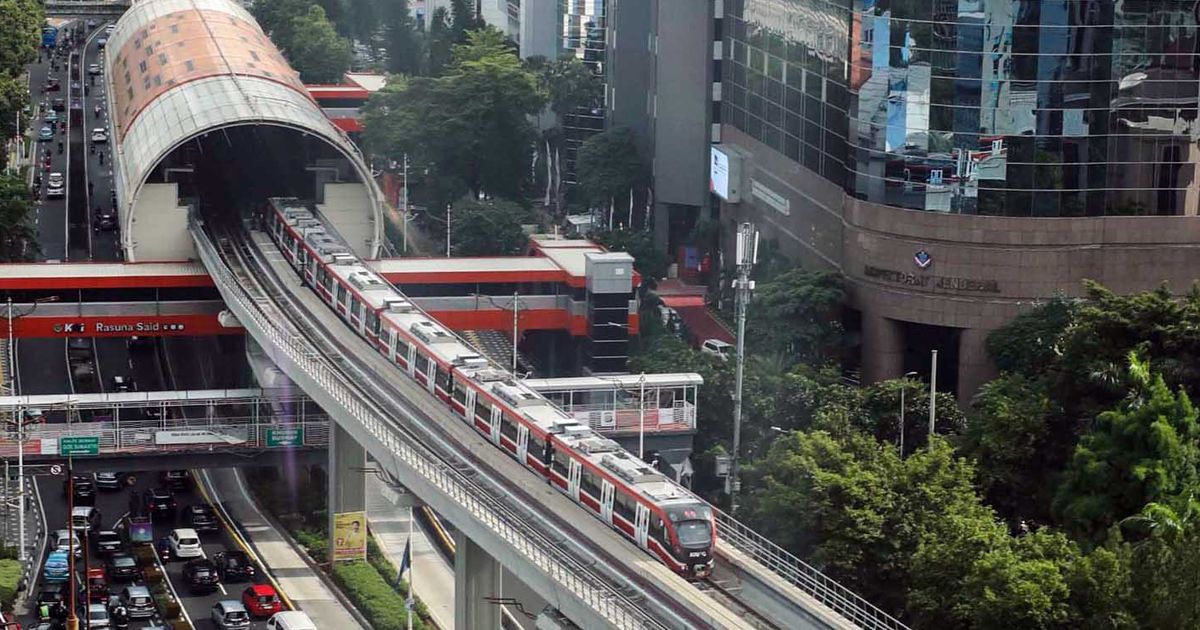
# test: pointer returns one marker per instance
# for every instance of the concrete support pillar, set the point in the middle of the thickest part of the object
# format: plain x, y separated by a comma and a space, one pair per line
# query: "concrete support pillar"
347, 477
974, 366
476, 578
882, 348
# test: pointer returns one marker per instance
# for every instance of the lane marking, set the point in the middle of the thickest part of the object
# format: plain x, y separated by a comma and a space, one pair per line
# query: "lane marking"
167, 578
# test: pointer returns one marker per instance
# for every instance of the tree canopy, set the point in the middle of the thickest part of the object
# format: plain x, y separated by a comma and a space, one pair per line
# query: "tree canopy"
608, 166
18, 241
797, 314
20, 34
315, 50
488, 228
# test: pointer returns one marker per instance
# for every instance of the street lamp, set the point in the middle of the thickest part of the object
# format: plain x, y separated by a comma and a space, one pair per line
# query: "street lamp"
903, 387
515, 306
20, 422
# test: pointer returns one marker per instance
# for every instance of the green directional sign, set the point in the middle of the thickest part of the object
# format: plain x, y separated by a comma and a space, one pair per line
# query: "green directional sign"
79, 445
285, 436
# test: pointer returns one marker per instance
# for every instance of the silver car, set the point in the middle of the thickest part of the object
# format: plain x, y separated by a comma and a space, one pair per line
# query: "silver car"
229, 614
137, 601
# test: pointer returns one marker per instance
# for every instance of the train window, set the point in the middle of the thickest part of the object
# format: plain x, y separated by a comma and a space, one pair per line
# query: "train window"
333, 285
355, 308
537, 446
560, 463
373, 323
422, 363
508, 427
624, 505
401, 346
590, 483
460, 392
341, 294
657, 531
443, 379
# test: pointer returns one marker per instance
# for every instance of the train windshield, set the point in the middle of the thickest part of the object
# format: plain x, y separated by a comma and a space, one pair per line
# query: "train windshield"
694, 533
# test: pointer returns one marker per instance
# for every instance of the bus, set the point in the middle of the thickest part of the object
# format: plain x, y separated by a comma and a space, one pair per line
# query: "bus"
52, 30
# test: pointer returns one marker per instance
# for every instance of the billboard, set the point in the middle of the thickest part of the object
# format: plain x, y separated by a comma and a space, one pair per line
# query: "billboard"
725, 174
350, 535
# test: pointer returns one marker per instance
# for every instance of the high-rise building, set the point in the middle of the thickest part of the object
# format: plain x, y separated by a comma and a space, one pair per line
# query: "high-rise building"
960, 160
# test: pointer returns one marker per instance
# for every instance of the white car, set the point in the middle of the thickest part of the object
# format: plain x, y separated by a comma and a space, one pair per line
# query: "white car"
185, 543
97, 617
56, 185
99, 135
94, 69
63, 539
720, 349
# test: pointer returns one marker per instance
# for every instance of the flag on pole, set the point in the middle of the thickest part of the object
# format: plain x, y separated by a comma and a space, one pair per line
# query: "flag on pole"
405, 559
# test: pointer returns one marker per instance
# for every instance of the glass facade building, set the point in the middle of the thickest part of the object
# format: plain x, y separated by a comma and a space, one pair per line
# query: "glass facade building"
1034, 108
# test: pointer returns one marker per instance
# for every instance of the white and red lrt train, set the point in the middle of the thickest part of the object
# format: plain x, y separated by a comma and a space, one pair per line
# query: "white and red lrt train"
657, 514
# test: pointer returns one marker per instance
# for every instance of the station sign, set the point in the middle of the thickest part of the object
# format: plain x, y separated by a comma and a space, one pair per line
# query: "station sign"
285, 436
73, 445
122, 326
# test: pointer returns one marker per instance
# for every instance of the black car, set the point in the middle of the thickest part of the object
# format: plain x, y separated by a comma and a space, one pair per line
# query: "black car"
177, 480
200, 575
104, 222
201, 517
161, 502
234, 566
109, 481
121, 567
59, 105
85, 489
51, 594
106, 542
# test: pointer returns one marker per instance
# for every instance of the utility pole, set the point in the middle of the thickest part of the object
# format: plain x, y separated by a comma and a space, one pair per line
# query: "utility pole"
447, 230
932, 395
516, 321
404, 216
642, 416
747, 256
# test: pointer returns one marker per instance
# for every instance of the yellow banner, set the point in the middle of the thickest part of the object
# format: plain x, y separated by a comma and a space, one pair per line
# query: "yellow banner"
349, 536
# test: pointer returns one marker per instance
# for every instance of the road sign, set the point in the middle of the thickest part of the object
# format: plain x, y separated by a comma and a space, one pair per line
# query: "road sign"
285, 436
79, 445
55, 469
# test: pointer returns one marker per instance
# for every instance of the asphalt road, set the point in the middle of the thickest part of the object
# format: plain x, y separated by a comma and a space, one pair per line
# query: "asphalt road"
103, 245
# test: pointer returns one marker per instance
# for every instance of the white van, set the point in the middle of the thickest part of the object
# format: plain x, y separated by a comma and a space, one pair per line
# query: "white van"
290, 620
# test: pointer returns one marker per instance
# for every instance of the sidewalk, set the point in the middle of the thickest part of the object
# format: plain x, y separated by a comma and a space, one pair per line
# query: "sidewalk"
295, 578
433, 577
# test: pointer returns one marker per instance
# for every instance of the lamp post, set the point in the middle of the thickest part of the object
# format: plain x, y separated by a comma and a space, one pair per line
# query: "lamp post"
515, 306
404, 216
641, 407
932, 394
746, 258
20, 422
903, 387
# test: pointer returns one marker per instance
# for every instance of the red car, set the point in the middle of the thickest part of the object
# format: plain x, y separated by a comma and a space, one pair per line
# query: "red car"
97, 585
261, 600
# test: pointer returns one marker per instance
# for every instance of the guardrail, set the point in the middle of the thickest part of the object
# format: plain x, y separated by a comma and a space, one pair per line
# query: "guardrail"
538, 550
804, 576
149, 436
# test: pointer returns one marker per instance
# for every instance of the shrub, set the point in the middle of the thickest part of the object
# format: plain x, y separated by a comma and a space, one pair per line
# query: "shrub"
10, 577
373, 596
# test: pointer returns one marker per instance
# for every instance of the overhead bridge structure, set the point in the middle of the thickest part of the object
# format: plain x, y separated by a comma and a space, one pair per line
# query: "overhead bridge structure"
210, 122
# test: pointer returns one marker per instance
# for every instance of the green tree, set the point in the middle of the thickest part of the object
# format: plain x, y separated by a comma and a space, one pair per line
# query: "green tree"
463, 19
1143, 451
608, 167
18, 240
879, 413
1165, 564
364, 17
277, 18
1030, 343
569, 85
798, 314
441, 42
488, 228
648, 258
20, 34
338, 14
471, 124
403, 43
1008, 436
14, 97
316, 51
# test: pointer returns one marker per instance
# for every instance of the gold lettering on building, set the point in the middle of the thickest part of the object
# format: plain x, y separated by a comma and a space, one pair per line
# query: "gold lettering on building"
925, 281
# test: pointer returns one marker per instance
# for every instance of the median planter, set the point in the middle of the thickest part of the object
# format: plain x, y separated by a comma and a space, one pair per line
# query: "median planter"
153, 576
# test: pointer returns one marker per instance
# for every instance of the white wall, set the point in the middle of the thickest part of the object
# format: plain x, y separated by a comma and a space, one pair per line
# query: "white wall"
159, 230
348, 207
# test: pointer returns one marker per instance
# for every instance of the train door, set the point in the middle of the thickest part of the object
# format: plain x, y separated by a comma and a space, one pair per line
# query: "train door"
412, 359
391, 345
573, 474
431, 375
497, 418
469, 407
641, 525
606, 501
522, 442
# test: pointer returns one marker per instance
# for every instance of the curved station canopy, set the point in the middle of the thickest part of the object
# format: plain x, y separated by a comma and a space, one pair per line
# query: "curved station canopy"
207, 116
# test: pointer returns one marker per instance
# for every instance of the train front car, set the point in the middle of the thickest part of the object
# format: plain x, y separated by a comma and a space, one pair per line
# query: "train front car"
693, 536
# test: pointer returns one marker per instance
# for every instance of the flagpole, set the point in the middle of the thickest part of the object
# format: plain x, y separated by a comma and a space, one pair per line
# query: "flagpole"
408, 548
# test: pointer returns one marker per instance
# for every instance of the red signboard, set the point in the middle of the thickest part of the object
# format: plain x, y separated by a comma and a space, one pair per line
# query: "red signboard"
122, 326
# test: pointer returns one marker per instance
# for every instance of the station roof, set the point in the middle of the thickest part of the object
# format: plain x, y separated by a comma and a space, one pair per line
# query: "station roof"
456, 270
47, 275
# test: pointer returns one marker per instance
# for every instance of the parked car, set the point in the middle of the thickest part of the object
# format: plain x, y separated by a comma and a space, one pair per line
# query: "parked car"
200, 575
723, 350
201, 517
106, 542
230, 614
177, 480
121, 567
185, 543
136, 600
261, 600
234, 565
